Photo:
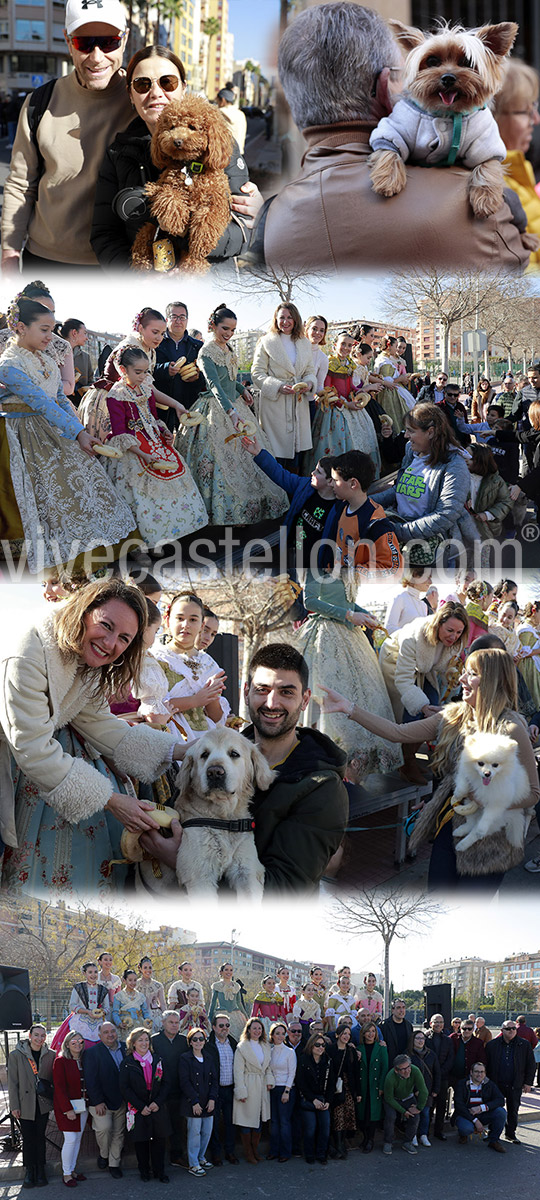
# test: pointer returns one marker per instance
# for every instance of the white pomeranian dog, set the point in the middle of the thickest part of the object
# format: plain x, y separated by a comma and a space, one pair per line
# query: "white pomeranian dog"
490, 778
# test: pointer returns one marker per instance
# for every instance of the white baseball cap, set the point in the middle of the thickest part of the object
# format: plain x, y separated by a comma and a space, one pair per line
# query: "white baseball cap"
86, 12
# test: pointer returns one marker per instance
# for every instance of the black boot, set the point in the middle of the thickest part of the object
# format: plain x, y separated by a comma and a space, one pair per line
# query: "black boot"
41, 1176
30, 1178
333, 1145
341, 1145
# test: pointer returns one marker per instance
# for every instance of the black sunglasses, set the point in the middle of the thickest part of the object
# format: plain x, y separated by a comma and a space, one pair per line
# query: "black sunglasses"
167, 83
105, 42
198, 1039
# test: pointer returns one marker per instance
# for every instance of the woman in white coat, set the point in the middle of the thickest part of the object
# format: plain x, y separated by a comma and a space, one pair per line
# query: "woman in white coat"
283, 361
421, 665
253, 1081
65, 760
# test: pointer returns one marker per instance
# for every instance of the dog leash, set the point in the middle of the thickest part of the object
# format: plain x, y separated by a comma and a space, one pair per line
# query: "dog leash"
247, 825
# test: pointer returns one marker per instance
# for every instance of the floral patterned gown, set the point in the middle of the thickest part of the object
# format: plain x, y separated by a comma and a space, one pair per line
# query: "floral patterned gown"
66, 501
234, 490
165, 504
186, 674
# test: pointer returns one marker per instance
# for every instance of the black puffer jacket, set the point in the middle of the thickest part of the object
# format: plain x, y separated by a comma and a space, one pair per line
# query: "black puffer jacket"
128, 165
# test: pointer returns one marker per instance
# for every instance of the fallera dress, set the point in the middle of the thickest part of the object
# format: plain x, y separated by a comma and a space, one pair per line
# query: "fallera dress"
229, 998
339, 656
165, 504
66, 501
186, 674
395, 401
233, 489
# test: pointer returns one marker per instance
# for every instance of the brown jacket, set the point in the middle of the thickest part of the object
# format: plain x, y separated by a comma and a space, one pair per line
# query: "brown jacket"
330, 217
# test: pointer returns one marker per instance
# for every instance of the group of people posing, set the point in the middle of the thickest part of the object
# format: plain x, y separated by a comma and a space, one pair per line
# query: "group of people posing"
321, 1067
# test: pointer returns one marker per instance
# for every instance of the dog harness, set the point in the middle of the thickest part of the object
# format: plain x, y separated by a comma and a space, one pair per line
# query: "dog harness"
246, 825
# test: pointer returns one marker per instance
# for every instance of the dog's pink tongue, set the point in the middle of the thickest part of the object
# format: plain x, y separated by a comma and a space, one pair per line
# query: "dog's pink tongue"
486, 781
448, 98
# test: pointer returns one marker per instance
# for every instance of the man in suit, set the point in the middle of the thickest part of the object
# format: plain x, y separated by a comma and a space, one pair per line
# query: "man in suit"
101, 1066
221, 1047
170, 1045
511, 1065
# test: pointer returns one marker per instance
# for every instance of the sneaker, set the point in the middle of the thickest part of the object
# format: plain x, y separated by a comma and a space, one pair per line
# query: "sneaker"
533, 865
414, 1141
196, 1171
387, 1148
424, 1140
409, 1148
206, 1166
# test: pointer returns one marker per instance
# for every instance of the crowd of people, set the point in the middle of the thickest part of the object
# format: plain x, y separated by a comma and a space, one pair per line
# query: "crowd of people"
168, 440
348, 695
322, 1067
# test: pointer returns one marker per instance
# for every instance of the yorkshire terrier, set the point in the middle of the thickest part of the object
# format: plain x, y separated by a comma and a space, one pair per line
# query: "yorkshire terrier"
443, 116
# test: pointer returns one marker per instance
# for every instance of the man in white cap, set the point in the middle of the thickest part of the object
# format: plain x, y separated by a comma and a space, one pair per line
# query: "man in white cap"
49, 193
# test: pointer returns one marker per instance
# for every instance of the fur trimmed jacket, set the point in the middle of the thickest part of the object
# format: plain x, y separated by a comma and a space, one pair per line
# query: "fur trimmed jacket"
407, 659
41, 691
284, 418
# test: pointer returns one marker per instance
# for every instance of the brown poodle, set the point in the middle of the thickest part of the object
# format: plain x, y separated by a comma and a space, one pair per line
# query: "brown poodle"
191, 145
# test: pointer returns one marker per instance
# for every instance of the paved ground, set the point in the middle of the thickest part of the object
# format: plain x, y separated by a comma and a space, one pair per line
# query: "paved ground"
446, 1170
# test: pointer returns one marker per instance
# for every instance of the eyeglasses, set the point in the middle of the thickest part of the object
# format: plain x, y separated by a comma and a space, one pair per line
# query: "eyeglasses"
197, 1039
468, 1027
320, 1045
167, 83
104, 42
511, 1028
224, 1025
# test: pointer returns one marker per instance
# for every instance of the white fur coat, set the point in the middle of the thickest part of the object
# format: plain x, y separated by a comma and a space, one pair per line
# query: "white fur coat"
42, 690
285, 420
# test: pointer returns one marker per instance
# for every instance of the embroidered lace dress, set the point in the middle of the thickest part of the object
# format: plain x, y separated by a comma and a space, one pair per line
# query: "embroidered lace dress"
66, 501
234, 490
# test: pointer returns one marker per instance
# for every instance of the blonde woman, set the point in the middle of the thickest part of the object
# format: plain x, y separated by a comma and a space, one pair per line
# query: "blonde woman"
515, 110
489, 705
70, 1103
253, 1081
528, 632
283, 359
316, 329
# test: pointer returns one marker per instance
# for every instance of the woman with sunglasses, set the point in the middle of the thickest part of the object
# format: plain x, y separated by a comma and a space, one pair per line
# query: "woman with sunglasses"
199, 1088
154, 77
489, 705
316, 1083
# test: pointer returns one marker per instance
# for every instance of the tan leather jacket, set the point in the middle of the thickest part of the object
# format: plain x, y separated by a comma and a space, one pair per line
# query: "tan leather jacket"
330, 217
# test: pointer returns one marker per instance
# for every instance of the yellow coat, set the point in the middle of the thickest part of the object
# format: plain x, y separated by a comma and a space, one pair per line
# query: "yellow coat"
519, 175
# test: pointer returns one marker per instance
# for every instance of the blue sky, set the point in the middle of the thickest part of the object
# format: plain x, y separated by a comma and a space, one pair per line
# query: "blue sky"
109, 305
254, 24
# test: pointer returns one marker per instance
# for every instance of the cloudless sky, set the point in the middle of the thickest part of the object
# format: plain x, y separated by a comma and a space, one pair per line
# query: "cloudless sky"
304, 931
254, 24
109, 305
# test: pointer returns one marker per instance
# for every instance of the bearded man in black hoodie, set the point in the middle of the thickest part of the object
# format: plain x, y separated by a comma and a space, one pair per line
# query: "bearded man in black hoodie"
301, 819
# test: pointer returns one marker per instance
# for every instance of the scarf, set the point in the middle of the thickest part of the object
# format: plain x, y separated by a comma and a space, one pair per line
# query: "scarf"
476, 613
340, 366
146, 1063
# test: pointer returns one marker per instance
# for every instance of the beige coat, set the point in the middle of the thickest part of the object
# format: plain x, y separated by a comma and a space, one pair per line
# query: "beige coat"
42, 690
407, 659
285, 420
22, 1081
251, 1085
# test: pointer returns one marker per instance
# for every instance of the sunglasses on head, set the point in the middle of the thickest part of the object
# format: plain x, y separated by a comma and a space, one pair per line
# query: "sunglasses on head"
105, 42
167, 83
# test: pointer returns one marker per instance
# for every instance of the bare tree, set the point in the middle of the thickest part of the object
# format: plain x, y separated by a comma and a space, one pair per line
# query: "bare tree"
255, 279
446, 297
389, 914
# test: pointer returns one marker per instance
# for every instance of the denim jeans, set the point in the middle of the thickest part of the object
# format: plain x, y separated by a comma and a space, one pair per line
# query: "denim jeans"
410, 1123
423, 1121
495, 1121
280, 1128
316, 1126
198, 1137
